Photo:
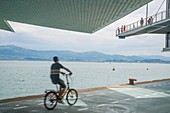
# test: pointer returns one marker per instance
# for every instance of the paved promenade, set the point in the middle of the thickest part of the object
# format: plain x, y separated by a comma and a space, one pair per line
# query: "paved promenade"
151, 97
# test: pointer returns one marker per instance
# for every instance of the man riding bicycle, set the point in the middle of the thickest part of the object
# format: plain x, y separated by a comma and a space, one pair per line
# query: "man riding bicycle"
55, 77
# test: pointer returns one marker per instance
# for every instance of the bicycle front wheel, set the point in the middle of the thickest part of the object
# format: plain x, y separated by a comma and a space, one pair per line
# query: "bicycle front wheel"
71, 96
50, 100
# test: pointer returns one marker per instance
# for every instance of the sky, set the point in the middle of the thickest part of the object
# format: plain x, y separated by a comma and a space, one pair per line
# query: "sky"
104, 40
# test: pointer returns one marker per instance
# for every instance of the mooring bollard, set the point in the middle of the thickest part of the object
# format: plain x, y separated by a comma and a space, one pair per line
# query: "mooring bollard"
131, 81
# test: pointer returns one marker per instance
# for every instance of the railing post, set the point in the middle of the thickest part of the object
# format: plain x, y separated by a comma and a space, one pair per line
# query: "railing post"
146, 14
168, 8
168, 13
116, 32
155, 17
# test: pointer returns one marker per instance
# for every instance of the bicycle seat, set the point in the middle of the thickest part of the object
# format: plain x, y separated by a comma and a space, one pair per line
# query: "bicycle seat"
49, 90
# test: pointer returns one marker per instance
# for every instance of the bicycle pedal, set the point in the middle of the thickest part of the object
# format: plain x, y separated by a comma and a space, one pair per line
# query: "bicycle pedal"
61, 101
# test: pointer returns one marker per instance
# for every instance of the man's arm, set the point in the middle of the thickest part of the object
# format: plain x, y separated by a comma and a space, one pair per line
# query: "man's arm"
67, 70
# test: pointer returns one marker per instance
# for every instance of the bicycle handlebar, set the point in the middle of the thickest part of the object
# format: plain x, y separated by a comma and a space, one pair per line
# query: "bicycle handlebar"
67, 74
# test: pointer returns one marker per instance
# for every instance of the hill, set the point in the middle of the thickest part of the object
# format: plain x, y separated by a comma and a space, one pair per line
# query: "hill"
11, 52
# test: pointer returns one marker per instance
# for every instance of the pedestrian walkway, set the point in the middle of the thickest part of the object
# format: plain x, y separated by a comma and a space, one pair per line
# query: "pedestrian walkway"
139, 98
157, 23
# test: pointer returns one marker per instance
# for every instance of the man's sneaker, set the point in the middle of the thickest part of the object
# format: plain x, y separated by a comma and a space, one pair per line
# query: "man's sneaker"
60, 101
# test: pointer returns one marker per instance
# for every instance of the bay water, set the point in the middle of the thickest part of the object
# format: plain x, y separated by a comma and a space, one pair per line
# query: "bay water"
25, 78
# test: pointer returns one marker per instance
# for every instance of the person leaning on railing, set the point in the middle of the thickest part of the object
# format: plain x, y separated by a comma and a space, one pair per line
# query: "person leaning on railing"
150, 20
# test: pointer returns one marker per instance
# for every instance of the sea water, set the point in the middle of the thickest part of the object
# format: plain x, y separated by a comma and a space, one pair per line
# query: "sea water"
24, 78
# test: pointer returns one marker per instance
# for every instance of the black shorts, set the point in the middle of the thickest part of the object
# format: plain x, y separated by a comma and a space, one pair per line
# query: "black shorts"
56, 80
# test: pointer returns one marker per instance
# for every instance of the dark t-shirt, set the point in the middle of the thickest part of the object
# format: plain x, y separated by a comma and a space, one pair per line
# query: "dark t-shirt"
55, 68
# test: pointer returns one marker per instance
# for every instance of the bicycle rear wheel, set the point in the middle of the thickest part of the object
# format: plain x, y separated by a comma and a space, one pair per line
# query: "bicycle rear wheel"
50, 100
71, 96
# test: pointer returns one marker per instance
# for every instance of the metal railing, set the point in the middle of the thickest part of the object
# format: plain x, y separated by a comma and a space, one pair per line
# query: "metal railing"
146, 22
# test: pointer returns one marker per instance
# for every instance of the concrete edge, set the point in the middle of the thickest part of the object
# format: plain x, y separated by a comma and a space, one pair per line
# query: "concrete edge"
79, 91
21, 98
152, 81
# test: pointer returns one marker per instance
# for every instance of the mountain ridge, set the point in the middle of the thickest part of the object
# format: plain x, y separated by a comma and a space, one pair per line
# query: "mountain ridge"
12, 52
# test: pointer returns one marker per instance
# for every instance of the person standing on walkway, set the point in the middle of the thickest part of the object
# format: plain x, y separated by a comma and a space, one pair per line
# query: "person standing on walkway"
124, 28
118, 30
141, 21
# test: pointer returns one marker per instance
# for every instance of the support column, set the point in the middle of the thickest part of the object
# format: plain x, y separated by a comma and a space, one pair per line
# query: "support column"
167, 38
167, 43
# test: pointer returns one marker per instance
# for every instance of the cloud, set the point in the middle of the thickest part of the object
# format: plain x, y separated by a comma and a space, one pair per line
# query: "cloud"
104, 40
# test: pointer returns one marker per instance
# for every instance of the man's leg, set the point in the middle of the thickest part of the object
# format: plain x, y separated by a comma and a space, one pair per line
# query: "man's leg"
61, 93
63, 88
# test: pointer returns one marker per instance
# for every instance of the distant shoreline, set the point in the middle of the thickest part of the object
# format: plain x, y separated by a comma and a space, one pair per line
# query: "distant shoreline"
90, 61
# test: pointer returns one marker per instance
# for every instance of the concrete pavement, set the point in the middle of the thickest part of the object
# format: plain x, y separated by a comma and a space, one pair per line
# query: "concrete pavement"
153, 97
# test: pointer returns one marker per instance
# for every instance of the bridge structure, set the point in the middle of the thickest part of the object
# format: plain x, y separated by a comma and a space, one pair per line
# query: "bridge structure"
158, 23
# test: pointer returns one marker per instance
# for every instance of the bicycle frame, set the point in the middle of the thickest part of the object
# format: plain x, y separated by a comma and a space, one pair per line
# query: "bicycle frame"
59, 88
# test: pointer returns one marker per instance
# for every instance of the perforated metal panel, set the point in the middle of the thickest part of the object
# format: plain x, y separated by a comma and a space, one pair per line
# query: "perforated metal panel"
76, 15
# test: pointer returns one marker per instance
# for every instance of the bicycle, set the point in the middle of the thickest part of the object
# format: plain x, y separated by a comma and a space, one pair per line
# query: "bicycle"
51, 96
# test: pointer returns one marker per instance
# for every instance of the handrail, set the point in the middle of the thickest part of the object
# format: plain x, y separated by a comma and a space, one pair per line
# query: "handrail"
146, 22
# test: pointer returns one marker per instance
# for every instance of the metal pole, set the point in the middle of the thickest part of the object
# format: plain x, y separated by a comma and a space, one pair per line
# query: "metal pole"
167, 8
146, 13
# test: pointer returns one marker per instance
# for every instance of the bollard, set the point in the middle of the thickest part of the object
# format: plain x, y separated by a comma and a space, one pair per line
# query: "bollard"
131, 81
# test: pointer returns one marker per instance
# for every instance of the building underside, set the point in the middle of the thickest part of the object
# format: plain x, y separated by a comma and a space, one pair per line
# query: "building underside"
86, 16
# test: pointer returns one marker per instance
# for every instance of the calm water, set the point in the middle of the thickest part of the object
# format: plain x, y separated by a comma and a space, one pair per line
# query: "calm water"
22, 78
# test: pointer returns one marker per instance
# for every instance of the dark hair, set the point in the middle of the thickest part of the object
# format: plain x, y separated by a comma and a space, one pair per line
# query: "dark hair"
55, 59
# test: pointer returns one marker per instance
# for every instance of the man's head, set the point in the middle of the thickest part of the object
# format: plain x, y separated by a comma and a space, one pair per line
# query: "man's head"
55, 59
